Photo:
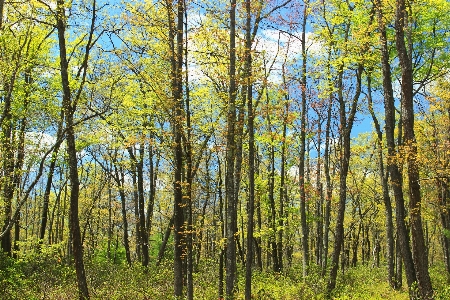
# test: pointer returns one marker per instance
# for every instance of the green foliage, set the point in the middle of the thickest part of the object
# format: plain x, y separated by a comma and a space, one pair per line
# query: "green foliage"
117, 254
441, 280
45, 277
364, 282
36, 275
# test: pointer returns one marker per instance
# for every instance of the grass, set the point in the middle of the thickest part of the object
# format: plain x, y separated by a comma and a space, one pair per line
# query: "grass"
45, 277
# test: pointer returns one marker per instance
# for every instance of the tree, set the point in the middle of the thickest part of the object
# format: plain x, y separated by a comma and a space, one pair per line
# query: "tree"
418, 243
69, 105
304, 112
230, 161
251, 155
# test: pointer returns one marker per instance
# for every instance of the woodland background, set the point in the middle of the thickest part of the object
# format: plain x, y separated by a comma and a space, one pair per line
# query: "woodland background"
225, 149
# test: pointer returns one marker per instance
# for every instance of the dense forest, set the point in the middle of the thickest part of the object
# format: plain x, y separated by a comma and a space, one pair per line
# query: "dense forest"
172, 149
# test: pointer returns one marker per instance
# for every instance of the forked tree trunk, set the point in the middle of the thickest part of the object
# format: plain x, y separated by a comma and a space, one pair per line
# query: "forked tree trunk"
346, 123
393, 168
420, 257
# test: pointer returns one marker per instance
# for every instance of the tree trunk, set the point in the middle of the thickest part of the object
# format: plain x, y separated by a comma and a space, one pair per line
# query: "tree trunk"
48, 186
418, 244
326, 166
69, 107
222, 229
120, 180
272, 246
395, 176
304, 224
230, 161
176, 60
153, 175
136, 207
384, 178
140, 183
6, 182
251, 156
163, 246
346, 123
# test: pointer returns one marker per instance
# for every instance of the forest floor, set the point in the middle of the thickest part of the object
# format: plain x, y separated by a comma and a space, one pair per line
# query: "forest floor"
45, 277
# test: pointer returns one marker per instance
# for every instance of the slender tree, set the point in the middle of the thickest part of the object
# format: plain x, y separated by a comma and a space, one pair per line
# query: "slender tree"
69, 105
230, 161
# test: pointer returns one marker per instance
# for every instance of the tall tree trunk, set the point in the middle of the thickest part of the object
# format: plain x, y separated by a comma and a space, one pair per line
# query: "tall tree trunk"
385, 188
176, 59
304, 224
188, 146
136, 206
395, 176
418, 243
6, 181
346, 124
222, 228
69, 110
251, 155
20, 150
141, 199
272, 246
258, 240
230, 161
69, 107
329, 192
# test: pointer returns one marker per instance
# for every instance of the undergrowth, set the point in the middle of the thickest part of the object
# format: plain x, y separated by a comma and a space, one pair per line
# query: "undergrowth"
45, 276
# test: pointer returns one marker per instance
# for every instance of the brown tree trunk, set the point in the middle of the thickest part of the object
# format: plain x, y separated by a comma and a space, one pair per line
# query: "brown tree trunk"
48, 186
176, 60
272, 246
163, 246
230, 161
346, 123
69, 107
140, 183
326, 166
418, 243
120, 181
304, 224
6, 181
251, 156
395, 176
385, 188
222, 228
136, 207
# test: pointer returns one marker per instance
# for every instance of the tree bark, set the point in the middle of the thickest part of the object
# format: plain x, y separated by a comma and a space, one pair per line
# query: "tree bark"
120, 180
48, 186
385, 188
395, 176
304, 224
176, 60
418, 243
230, 161
251, 156
141, 199
69, 107
346, 124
